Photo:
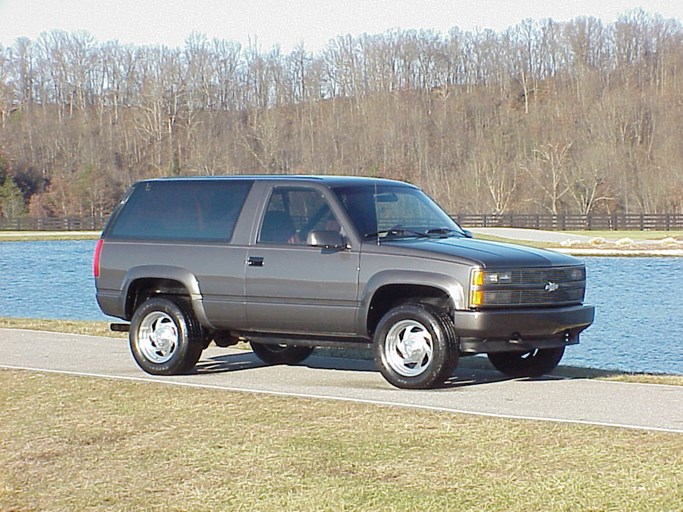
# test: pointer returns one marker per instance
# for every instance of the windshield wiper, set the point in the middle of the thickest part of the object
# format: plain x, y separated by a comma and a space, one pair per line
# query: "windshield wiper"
440, 231
395, 232
445, 231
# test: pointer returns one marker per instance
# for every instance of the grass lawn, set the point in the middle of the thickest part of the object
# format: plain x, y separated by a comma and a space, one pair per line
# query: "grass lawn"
77, 443
70, 326
31, 236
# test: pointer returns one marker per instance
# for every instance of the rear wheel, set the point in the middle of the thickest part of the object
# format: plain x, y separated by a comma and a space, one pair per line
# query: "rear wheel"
165, 337
415, 346
281, 354
527, 364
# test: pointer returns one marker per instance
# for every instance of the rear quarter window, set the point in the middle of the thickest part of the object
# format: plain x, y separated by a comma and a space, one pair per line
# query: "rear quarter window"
181, 210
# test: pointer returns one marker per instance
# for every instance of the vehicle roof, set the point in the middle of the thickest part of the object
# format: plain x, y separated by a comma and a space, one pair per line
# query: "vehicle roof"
327, 180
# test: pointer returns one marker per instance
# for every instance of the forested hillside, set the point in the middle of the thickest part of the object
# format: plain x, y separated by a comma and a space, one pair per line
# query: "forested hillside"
546, 117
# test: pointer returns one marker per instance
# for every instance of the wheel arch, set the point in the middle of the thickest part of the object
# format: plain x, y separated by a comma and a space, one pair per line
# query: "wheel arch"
141, 283
387, 289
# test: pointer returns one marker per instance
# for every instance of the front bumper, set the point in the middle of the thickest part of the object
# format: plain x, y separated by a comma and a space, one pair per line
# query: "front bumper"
521, 329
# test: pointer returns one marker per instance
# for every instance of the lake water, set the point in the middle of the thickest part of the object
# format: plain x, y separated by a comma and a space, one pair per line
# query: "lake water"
638, 325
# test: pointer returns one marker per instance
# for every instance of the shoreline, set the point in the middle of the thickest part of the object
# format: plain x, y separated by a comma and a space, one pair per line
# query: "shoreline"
625, 253
619, 245
566, 243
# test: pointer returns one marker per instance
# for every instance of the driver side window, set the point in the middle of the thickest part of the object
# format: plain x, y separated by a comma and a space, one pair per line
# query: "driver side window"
292, 213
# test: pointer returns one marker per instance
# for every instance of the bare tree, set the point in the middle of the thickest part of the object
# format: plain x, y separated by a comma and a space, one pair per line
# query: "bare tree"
481, 119
548, 168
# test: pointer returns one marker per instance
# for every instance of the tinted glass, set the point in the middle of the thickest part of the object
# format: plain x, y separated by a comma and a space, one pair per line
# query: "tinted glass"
375, 209
182, 210
292, 213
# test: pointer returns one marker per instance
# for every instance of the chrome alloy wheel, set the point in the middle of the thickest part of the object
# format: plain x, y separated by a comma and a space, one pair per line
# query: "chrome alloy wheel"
409, 347
158, 337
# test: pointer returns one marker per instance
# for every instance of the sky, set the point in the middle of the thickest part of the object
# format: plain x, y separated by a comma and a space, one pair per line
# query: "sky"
289, 23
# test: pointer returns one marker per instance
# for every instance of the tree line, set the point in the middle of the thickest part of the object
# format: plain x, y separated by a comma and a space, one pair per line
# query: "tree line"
544, 117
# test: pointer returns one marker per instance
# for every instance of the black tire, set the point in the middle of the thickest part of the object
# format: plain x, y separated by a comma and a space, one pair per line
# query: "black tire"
281, 354
165, 337
433, 341
527, 364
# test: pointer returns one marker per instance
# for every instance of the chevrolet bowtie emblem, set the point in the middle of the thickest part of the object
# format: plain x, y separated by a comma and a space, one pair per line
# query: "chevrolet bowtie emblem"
551, 287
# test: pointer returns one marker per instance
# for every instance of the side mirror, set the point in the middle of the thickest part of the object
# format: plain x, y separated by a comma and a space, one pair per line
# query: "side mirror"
325, 239
467, 233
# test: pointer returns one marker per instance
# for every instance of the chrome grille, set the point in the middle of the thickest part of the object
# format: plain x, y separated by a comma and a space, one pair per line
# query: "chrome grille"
533, 276
537, 287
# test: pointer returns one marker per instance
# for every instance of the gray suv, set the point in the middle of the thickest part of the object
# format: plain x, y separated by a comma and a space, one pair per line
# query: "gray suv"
290, 263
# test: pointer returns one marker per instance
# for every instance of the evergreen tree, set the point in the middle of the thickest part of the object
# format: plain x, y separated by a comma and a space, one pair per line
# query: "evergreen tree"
12, 203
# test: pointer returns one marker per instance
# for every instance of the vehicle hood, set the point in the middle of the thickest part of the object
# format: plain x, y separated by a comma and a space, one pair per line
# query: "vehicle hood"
481, 252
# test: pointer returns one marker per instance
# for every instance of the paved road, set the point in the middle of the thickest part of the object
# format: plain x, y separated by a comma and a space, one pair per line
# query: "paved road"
537, 235
471, 391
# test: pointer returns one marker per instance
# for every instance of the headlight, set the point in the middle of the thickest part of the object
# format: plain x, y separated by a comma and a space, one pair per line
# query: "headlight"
577, 274
497, 277
481, 278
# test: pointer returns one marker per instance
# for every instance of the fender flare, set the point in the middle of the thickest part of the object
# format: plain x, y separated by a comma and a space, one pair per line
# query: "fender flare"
444, 282
179, 274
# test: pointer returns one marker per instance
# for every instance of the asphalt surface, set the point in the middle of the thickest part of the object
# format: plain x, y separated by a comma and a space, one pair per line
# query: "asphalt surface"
470, 391
568, 241
534, 235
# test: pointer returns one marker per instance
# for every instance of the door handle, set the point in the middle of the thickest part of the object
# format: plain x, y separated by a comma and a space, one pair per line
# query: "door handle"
255, 261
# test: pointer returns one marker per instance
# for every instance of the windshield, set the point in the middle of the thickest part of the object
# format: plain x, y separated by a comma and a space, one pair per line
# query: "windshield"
385, 211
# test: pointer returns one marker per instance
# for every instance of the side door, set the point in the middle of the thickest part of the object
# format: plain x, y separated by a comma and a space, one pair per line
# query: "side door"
292, 287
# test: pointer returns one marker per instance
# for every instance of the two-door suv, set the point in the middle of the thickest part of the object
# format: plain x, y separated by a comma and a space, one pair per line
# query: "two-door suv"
290, 263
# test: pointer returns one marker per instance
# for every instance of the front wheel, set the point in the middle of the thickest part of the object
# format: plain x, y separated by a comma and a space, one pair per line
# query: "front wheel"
416, 346
165, 337
281, 354
527, 364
